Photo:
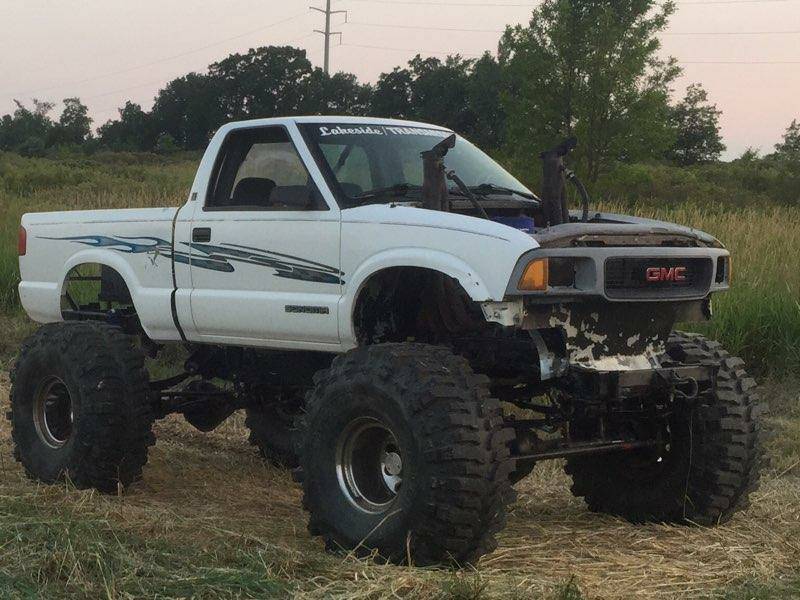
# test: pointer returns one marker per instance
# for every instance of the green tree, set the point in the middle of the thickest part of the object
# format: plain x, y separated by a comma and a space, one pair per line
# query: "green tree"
27, 131
439, 92
264, 82
392, 95
484, 96
589, 68
74, 125
750, 155
458, 93
189, 110
789, 149
134, 130
339, 94
697, 132
165, 144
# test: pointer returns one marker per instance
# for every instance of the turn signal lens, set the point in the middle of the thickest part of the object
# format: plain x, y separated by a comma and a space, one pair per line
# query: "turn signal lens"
536, 276
22, 241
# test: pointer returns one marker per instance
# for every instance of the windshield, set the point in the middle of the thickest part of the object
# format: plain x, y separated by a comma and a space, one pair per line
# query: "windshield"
382, 162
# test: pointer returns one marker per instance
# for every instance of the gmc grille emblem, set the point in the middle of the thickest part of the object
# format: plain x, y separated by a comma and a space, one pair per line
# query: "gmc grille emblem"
654, 274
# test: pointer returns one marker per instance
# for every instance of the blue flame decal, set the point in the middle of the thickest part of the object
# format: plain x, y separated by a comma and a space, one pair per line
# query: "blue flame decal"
215, 257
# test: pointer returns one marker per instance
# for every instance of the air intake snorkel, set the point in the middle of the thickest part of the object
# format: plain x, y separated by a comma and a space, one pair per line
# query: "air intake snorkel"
554, 174
434, 183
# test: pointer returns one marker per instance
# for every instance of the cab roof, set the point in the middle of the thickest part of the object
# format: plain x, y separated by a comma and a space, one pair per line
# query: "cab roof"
332, 120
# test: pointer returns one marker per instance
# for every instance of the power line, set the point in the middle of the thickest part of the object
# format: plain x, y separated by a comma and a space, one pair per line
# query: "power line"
428, 28
731, 32
739, 62
156, 82
161, 60
458, 4
417, 50
474, 55
531, 5
125, 89
110, 109
702, 2
392, 26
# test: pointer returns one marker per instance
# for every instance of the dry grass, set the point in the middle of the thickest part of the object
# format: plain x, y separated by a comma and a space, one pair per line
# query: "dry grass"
211, 520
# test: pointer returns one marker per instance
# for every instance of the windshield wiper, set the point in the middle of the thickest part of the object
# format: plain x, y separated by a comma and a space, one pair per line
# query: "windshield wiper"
486, 189
393, 191
466, 191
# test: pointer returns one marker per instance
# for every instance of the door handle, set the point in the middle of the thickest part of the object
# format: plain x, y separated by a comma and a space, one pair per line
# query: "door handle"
201, 234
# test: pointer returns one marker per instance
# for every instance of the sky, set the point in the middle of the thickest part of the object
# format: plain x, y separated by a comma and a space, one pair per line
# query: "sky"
110, 51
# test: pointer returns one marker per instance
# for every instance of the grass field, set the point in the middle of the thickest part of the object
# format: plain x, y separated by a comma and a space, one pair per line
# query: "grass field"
210, 520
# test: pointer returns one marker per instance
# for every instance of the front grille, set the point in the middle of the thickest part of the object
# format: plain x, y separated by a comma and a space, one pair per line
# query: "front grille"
628, 277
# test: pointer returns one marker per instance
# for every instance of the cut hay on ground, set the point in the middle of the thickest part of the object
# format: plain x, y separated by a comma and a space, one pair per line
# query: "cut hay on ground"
212, 494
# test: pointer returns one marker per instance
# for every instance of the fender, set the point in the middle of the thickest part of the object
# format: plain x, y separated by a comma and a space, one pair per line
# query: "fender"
151, 304
424, 258
113, 260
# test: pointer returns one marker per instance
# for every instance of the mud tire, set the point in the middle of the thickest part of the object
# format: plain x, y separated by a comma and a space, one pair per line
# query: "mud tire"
717, 448
455, 455
103, 373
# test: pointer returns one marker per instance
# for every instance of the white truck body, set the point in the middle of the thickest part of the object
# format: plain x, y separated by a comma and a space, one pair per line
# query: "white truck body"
244, 286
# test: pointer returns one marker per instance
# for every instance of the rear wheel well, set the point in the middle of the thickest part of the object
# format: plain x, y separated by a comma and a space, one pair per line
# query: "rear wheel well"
402, 303
94, 287
97, 292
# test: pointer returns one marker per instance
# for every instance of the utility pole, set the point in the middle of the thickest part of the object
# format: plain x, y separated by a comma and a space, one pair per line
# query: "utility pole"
328, 33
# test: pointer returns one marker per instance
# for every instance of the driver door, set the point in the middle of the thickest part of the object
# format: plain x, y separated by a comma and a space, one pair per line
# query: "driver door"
264, 248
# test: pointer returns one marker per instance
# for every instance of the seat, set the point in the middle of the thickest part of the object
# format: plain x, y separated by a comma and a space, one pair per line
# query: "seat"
253, 191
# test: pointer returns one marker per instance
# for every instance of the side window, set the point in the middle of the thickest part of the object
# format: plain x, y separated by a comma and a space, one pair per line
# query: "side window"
260, 169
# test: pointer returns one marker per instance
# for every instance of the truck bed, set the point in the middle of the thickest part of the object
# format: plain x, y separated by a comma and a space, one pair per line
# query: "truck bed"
141, 238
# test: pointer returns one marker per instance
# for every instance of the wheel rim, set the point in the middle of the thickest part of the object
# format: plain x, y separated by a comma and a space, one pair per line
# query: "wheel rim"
369, 465
53, 412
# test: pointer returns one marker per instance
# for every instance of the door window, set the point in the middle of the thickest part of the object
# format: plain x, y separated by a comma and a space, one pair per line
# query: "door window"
260, 169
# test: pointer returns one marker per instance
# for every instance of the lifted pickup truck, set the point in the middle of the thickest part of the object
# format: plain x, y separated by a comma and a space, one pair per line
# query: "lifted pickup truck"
405, 324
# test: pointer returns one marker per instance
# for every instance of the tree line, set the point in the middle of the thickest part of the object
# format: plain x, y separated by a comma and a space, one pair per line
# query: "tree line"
580, 67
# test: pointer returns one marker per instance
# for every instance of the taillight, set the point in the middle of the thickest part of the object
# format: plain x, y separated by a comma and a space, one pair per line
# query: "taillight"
22, 241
